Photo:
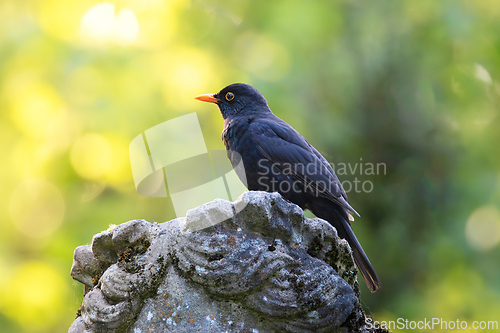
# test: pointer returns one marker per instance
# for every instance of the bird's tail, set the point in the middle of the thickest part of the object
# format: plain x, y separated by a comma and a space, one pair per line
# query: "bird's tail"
338, 217
361, 260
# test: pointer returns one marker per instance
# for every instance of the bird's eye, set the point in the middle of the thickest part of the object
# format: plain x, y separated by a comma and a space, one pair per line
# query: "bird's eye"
229, 96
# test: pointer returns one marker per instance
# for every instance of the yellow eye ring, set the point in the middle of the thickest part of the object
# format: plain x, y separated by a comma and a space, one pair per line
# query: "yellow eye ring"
229, 96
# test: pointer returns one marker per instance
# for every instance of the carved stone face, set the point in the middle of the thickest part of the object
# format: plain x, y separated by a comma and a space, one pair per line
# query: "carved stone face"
266, 267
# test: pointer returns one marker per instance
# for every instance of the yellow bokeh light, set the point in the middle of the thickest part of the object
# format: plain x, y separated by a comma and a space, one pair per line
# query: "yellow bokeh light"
101, 24
35, 105
483, 228
119, 170
185, 74
126, 26
98, 21
37, 207
91, 156
59, 18
33, 295
34, 157
159, 20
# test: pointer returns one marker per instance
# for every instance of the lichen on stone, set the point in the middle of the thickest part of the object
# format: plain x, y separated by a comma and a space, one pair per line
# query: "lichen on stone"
256, 263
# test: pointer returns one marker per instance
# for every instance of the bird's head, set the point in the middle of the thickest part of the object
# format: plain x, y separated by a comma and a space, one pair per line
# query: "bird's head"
237, 99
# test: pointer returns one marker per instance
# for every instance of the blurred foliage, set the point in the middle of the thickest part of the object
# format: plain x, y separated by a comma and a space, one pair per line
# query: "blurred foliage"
411, 84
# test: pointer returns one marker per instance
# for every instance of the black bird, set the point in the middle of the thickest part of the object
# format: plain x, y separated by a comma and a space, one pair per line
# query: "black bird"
276, 158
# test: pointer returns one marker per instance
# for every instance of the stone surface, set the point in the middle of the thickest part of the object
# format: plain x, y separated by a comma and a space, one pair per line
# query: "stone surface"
264, 269
209, 214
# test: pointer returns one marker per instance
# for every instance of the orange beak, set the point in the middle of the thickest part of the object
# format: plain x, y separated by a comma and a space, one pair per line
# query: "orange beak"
207, 98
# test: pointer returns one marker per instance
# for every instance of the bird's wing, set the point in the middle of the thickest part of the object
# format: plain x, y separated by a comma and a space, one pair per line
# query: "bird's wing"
284, 147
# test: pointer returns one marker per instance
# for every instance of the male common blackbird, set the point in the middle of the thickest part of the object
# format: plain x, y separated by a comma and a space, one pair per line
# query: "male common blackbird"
276, 158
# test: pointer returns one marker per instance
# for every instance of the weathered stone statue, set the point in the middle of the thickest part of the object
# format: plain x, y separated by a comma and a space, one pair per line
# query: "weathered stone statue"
265, 268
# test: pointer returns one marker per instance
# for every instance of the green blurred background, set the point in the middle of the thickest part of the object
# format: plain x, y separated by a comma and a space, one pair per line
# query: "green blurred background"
411, 84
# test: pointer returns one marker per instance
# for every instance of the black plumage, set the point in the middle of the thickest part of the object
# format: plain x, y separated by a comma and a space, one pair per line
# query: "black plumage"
276, 158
